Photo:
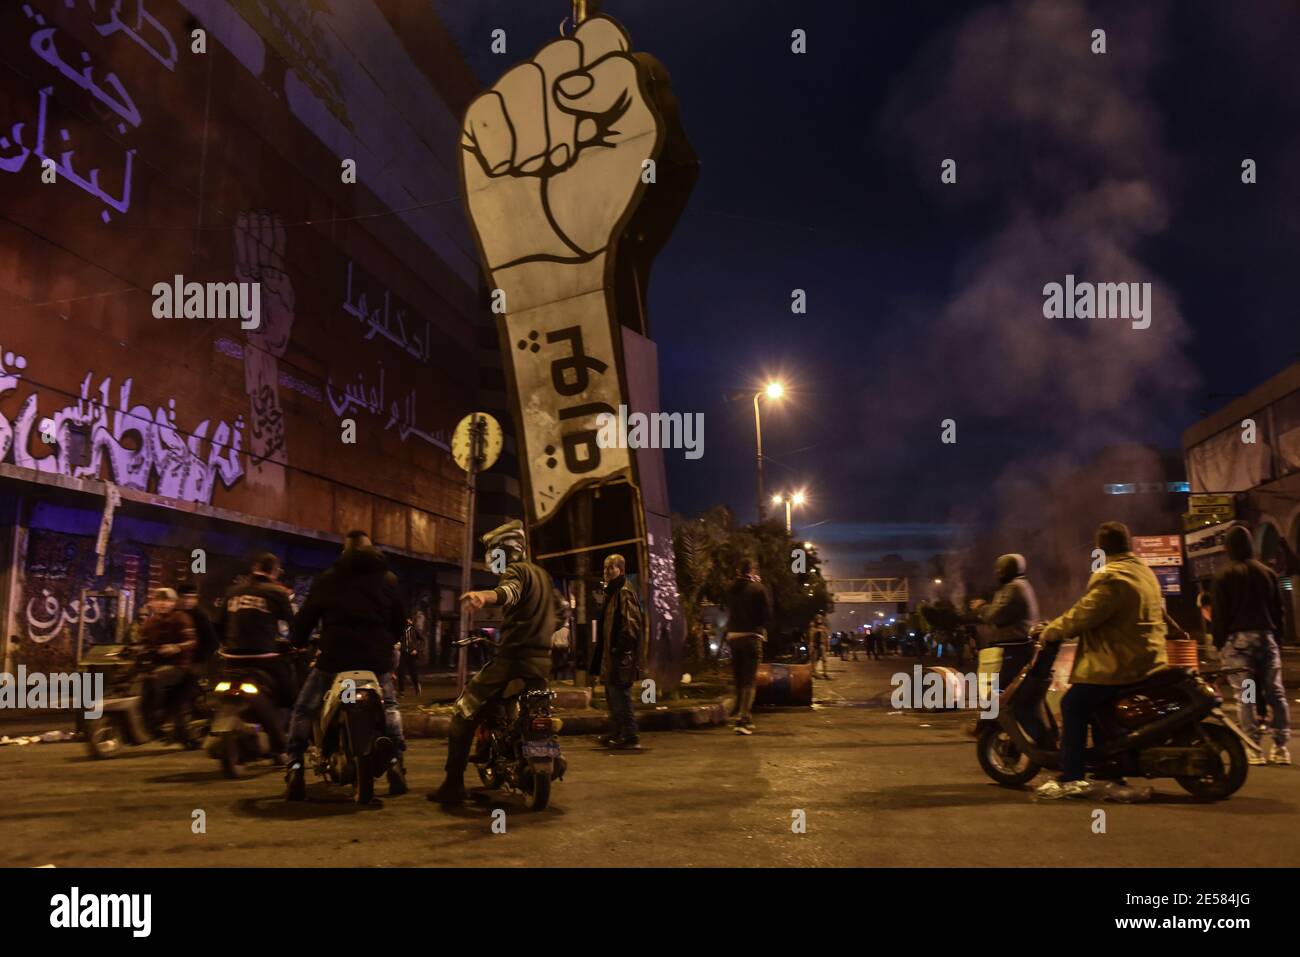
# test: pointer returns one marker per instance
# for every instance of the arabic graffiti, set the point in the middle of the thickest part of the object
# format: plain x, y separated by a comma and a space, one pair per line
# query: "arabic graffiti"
371, 399
260, 243
109, 90
57, 617
137, 446
380, 320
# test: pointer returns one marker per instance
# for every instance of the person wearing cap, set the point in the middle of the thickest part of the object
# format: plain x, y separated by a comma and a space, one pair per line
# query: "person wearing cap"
525, 594
170, 637
358, 604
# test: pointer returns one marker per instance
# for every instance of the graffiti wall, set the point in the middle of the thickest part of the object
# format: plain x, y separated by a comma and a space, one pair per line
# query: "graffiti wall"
197, 141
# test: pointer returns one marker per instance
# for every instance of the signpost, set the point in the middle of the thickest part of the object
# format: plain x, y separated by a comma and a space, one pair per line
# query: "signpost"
475, 446
1164, 554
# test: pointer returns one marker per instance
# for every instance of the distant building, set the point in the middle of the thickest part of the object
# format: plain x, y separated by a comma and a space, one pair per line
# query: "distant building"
1243, 466
311, 151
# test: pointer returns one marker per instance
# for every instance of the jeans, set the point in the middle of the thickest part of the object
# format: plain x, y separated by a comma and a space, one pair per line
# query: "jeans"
622, 720
745, 653
312, 696
1258, 653
1077, 707
408, 666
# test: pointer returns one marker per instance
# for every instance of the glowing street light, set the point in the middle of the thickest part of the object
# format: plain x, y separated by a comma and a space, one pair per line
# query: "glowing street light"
773, 391
797, 498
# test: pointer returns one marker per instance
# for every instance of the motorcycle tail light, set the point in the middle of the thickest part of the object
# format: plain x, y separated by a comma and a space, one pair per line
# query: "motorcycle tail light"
248, 688
541, 724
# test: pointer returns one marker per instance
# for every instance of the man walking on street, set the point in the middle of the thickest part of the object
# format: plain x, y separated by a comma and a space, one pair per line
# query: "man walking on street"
817, 647
1247, 619
749, 612
620, 649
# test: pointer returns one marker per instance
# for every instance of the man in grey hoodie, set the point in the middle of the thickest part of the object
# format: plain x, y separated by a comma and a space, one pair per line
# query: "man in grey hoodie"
1014, 608
1247, 620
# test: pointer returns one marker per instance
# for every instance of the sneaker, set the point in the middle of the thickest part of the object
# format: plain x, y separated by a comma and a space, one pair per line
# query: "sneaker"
1255, 755
1280, 756
606, 741
1055, 790
449, 793
626, 744
744, 727
295, 781
397, 785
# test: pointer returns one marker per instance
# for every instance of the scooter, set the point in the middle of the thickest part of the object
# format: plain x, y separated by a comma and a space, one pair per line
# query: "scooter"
516, 745
350, 743
1170, 724
127, 720
243, 709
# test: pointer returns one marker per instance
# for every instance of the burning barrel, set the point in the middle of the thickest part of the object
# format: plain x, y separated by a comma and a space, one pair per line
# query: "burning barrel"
785, 685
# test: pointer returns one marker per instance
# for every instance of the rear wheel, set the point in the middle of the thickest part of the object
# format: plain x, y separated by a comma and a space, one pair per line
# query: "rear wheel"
1002, 760
104, 737
363, 780
1228, 764
538, 793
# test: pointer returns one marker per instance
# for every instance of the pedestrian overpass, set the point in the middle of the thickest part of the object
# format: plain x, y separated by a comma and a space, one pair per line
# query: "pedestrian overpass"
868, 591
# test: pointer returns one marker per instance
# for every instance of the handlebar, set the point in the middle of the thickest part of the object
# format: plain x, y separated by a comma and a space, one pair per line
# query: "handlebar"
477, 639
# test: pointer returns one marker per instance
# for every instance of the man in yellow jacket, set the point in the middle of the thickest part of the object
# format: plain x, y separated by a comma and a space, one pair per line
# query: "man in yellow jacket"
1121, 625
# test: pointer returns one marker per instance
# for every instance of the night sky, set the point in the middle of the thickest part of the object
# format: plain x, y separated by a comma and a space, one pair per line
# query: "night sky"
821, 172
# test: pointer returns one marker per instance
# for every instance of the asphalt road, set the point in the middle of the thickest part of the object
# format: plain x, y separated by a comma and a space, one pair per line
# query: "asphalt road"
876, 789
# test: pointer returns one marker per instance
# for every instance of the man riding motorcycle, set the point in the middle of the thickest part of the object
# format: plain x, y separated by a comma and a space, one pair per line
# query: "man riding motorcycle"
170, 638
525, 592
249, 625
1121, 623
358, 605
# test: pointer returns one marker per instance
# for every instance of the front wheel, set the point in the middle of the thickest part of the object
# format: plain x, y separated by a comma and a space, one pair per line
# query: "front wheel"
232, 761
538, 794
104, 737
1002, 760
1228, 765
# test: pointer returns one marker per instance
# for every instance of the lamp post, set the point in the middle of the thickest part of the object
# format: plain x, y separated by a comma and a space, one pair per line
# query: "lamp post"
773, 390
789, 500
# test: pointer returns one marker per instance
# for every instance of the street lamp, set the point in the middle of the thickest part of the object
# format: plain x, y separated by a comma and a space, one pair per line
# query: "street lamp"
796, 499
773, 390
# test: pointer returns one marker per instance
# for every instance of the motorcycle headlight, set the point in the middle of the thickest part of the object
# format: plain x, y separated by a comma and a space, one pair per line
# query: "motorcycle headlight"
248, 688
222, 686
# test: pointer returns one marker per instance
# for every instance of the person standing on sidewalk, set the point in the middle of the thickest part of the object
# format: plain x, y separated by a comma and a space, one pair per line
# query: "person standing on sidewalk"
749, 612
619, 653
1247, 619
409, 663
817, 647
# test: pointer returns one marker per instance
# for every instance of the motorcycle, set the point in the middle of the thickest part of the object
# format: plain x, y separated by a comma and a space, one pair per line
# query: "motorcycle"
1170, 724
131, 716
243, 708
350, 743
516, 745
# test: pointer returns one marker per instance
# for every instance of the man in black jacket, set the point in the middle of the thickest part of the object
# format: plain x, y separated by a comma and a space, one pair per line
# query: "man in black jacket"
749, 612
1247, 619
249, 624
358, 605
526, 593
618, 656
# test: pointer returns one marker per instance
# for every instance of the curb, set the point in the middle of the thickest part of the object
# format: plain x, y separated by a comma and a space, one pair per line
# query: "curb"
421, 725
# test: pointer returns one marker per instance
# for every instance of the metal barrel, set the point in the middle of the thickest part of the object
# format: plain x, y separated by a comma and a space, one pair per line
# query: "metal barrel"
785, 685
